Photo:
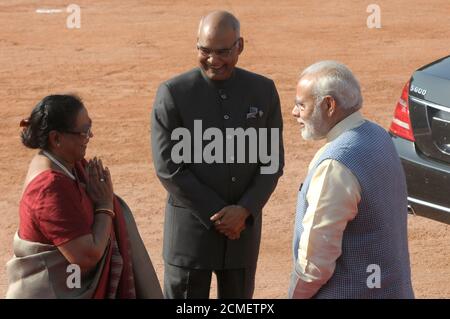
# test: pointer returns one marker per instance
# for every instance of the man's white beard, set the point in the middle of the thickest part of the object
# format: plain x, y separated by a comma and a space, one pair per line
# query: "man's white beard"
315, 128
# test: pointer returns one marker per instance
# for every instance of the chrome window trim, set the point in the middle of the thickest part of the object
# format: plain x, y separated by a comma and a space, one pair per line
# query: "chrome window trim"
430, 104
428, 204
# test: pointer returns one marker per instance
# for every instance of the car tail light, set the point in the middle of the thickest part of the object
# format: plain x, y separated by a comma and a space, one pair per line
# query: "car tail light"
401, 123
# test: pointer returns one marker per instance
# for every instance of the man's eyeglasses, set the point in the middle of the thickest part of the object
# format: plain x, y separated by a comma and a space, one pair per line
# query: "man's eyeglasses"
87, 134
223, 53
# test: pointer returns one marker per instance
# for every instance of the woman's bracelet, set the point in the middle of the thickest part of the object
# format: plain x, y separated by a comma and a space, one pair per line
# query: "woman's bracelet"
105, 211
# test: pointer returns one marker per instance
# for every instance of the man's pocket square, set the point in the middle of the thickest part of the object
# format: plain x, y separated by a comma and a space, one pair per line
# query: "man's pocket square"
254, 113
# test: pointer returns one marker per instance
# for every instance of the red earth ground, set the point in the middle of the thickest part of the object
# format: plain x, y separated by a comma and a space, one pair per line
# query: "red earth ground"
124, 49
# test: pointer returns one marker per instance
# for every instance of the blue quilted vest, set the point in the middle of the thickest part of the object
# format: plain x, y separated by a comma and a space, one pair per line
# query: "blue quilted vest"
378, 234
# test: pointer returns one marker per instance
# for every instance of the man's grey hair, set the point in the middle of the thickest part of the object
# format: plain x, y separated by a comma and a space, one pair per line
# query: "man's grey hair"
336, 80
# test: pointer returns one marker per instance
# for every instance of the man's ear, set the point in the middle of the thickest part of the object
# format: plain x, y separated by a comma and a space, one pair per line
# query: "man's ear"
330, 105
241, 45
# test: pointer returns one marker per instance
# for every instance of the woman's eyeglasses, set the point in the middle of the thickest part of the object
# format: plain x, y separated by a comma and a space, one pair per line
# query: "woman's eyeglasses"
86, 134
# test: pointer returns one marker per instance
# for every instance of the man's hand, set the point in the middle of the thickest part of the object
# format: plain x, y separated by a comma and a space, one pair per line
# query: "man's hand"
230, 220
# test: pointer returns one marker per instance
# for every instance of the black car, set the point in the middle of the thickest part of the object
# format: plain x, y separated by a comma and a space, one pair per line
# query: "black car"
420, 131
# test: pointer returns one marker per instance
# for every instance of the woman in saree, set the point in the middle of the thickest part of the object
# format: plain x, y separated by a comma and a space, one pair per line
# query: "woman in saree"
76, 239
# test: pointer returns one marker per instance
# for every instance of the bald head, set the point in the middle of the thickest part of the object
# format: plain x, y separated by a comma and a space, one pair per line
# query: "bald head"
217, 23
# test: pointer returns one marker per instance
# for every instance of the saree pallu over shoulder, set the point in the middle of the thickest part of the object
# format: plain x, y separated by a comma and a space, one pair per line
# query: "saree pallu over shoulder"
40, 271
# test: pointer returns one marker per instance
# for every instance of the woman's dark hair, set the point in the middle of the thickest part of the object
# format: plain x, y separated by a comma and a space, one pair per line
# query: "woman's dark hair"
54, 112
